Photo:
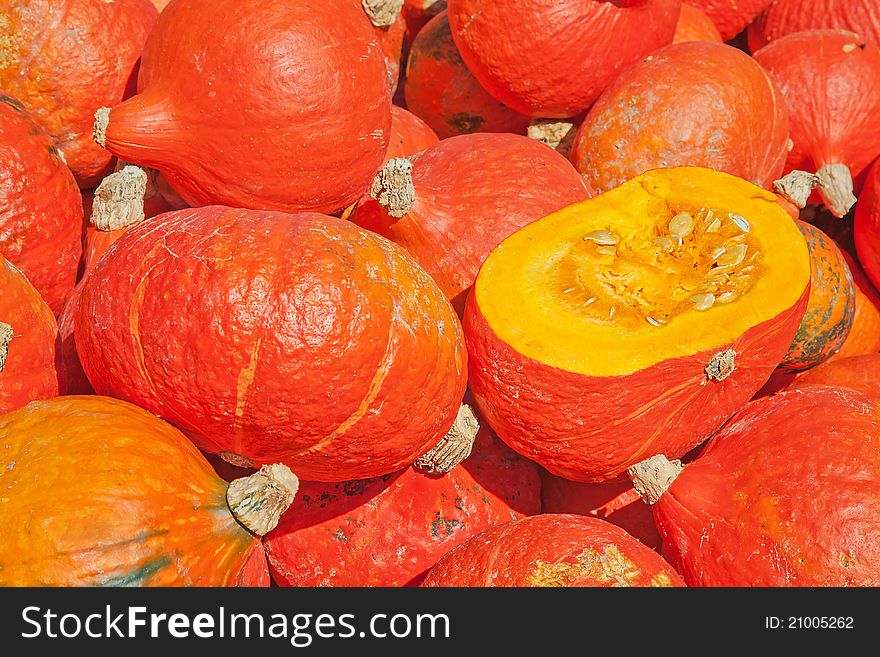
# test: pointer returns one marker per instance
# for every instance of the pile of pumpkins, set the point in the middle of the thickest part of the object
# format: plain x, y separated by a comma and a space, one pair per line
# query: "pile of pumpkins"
465, 293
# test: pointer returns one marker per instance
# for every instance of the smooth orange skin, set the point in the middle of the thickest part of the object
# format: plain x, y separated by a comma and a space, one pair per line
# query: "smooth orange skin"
786, 494
694, 104
730, 16
390, 530
280, 106
409, 134
864, 336
509, 555
784, 17
866, 225
615, 502
29, 372
68, 58
552, 58
464, 207
830, 84
41, 216
830, 311
855, 372
441, 89
102, 493
592, 428
391, 42
280, 338
695, 25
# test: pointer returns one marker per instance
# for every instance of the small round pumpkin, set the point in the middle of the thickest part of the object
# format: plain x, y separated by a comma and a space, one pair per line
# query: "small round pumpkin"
642, 319
389, 530
272, 338
689, 104
63, 59
695, 25
830, 310
102, 493
864, 336
409, 134
830, 83
787, 493
27, 342
41, 216
552, 59
452, 205
552, 550
782, 17
441, 89
854, 372
297, 120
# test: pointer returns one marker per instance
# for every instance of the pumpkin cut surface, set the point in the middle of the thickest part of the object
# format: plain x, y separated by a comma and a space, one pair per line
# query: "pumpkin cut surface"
644, 316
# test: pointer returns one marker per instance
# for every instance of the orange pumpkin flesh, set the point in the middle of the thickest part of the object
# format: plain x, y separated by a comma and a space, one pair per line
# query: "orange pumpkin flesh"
552, 550
100, 492
275, 338
783, 17
588, 348
695, 25
786, 494
27, 342
689, 104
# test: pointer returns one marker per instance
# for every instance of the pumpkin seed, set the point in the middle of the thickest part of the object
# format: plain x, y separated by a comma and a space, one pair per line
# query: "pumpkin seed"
727, 297
611, 312
717, 252
602, 237
733, 256
740, 221
664, 243
714, 225
606, 250
703, 301
681, 224
655, 321
589, 301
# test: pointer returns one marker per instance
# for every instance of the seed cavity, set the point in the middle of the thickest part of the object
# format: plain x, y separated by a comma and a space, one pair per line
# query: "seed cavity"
703, 301
733, 256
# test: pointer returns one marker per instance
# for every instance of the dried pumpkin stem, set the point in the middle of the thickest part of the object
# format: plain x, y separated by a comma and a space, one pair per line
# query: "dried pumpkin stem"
653, 477
5, 339
119, 199
796, 187
836, 188
382, 13
393, 187
558, 134
258, 501
721, 365
454, 447
99, 131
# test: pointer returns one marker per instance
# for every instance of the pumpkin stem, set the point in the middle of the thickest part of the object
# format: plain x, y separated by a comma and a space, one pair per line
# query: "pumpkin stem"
558, 134
258, 501
5, 338
796, 187
836, 188
393, 187
653, 477
721, 365
382, 13
99, 132
454, 447
119, 199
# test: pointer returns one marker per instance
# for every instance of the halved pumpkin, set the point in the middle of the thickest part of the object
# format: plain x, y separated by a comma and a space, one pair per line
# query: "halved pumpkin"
635, 322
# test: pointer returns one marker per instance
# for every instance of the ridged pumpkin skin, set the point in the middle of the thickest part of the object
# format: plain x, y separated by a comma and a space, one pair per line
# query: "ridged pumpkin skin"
786, 494
694, 104
784, 17
864, 336
553, 550
552, 58
409, 134
40, 206
615, 502
389, 530
63, 59
27, 342
102, 493
831, 308
730, 16
276, 338
245, 104
442, 90
855, 372
463, 207
695, 25
830, 83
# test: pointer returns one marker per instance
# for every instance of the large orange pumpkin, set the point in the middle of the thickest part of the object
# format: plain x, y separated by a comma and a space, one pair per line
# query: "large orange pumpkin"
695, 104
98, 492
63, 59
552, 550
389, 27
271, 338
786, 494
552, 58
854, 372
635, 322
40, 206
452, 205
730, 16
297, 120
784, 17
27, 342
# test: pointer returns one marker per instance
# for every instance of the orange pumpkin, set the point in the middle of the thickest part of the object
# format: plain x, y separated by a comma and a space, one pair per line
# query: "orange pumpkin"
864, 336
783, 17
855, 372
101, 493
409, 134
730, 16
695, 25
389, 27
